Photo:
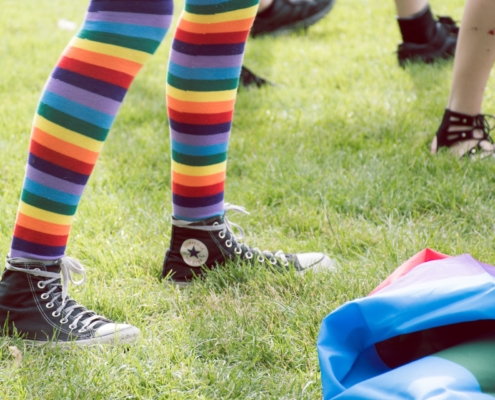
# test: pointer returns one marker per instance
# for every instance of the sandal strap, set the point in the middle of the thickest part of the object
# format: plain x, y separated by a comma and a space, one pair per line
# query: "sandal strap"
470, 123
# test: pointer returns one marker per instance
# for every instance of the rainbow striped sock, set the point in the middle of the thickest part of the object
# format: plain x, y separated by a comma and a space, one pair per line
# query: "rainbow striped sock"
203, 76
76, 111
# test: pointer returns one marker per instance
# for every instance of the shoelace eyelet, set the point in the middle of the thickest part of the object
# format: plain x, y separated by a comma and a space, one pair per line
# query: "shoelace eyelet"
64, 320
82, 330
261, 259
41, 284
44, 296
249, 255
221, 235
72, 326
273, 261
49, 305
56, 314
228, 243
238, 250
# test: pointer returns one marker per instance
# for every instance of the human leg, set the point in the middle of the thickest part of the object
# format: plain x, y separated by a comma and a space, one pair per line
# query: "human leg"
464, 127
475, 57
424, 38
204, 68
75, 113
408, 8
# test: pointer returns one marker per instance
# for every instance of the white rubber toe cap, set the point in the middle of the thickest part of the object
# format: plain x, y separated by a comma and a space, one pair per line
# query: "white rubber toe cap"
117, 333
316, 262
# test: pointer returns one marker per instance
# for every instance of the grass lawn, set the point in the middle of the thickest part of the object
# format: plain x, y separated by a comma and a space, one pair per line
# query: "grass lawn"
335, 157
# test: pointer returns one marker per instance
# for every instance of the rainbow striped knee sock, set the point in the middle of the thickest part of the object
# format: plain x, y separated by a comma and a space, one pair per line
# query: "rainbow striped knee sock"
76, 111
204, 68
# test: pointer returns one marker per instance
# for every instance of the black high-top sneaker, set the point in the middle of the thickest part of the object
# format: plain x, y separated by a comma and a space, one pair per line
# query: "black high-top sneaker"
35, 306
199, 246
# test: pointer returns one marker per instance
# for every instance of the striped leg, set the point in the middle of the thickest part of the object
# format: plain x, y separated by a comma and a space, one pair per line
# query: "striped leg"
204, 69
76, 111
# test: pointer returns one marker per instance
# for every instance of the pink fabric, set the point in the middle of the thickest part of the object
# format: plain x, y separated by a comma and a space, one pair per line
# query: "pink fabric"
419, 258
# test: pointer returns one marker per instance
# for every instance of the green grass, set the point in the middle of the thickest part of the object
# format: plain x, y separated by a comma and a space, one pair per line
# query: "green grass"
333, 158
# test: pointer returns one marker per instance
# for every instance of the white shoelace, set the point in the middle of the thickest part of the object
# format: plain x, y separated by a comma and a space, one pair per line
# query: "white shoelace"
68, 267
229, 226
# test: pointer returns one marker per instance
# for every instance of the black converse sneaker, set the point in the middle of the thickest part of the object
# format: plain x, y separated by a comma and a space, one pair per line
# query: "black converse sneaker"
198, 246
34, 305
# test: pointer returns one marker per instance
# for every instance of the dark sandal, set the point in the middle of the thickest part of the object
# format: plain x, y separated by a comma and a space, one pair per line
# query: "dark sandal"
446, 138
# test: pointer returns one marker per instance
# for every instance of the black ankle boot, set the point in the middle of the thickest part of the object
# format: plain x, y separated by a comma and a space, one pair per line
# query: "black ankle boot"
426, 39
198, 246
470, 124
34, 305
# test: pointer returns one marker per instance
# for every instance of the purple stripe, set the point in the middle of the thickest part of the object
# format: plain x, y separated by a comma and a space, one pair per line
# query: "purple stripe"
194, 140
53, 182
197, 214
81, 96
159, 21
17, 253
206, 61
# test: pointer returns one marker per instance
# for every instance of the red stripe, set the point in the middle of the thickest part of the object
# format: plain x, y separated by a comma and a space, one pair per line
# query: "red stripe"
201, 191
211, 38
59, 159
200, 119
93, 71
39, 237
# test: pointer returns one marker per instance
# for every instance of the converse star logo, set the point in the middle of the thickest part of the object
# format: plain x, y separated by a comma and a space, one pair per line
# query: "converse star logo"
193, 252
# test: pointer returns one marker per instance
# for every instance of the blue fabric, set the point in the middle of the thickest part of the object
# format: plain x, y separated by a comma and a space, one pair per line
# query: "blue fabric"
203, 73
427, 378
140, 31
47, 192
434, 294
200, 150
77, 110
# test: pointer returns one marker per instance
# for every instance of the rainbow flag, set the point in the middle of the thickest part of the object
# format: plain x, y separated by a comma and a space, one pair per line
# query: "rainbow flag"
427, 332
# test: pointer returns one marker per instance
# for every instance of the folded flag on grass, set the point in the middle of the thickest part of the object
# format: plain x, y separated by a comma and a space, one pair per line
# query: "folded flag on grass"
427, 332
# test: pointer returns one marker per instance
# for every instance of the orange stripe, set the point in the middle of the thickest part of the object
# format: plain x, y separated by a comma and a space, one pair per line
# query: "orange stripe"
42, 226
230, 26
65, 148
200, 107
102, 60
198, 181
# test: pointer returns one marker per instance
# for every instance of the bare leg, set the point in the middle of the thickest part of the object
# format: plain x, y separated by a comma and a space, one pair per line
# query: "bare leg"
475, 56
407, 8
264, 4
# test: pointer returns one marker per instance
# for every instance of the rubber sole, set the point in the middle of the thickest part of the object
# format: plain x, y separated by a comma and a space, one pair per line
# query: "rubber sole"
125, 336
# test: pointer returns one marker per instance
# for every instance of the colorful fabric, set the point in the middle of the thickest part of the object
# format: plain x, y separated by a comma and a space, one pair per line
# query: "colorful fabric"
203, 76
75, 113
427, 333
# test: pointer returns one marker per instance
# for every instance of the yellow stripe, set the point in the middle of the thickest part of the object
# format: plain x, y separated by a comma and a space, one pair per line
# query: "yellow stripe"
243, 13
199, 171
111, 50
43, 215
201, 97
67, 135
